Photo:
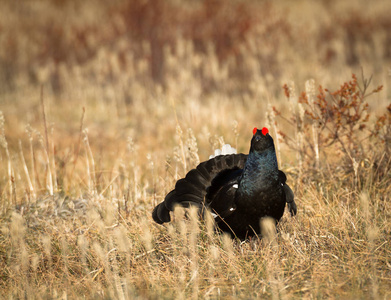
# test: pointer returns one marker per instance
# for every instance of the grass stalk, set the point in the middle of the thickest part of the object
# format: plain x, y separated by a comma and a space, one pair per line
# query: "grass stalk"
90, 165
26, 171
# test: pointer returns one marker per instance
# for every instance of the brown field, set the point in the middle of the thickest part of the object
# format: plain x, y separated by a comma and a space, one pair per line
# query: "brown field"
105, 104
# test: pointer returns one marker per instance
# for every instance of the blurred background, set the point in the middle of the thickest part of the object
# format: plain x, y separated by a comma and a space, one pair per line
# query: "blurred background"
230, 46
137, 64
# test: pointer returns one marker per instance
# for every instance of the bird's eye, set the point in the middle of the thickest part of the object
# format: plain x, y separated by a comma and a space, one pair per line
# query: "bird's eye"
257, 138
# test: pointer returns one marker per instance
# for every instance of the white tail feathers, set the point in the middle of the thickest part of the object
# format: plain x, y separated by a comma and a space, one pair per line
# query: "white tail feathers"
225, 150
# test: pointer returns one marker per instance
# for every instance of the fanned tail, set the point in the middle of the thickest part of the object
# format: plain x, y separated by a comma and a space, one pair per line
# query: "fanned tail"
191, 190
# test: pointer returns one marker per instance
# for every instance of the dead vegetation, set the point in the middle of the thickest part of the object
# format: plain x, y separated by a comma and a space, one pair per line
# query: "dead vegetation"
104, 106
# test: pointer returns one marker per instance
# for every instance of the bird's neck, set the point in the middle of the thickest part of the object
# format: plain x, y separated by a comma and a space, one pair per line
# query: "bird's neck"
260, 172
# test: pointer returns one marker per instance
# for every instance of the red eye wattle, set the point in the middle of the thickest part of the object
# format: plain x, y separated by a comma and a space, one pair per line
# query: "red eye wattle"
255, 130
265, 131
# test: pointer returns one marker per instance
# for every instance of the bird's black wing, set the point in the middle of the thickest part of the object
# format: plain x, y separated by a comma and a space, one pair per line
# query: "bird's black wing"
289, 196
200, 185
220, 197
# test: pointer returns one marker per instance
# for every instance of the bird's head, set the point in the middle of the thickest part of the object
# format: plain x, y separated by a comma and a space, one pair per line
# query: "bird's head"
261, 140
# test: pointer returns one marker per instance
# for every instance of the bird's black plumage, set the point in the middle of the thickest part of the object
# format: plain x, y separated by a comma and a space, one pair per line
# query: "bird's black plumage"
238, 189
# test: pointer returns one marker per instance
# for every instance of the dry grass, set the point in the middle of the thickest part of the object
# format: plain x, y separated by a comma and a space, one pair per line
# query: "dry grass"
84, 160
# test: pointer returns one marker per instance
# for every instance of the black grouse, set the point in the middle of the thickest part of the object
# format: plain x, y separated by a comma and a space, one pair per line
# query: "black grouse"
237, 189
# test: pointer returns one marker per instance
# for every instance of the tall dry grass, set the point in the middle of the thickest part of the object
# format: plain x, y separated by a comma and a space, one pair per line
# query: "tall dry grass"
97, 125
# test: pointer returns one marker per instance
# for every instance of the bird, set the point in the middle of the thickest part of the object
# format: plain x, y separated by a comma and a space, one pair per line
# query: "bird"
237, 189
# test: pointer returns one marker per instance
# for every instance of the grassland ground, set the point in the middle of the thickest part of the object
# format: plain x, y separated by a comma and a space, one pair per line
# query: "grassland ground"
100, 115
